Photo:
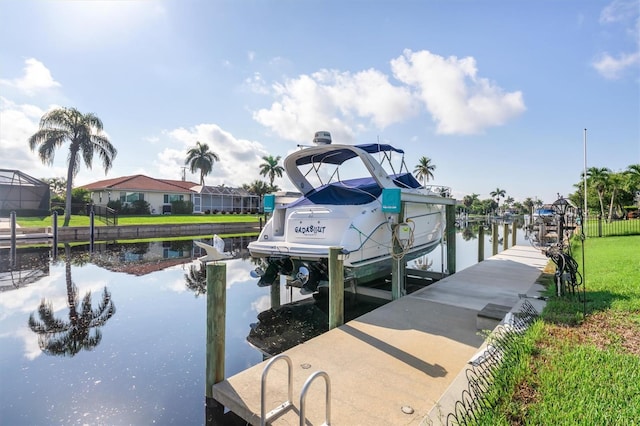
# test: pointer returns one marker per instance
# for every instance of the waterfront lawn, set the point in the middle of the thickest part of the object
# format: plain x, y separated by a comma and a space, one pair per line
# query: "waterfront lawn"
572, 369
78, 220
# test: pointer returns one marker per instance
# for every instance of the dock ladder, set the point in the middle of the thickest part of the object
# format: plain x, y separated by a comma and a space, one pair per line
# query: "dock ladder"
288, 404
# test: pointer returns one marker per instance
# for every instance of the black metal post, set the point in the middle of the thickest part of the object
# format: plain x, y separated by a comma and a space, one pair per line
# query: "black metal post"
54, 220
13, 254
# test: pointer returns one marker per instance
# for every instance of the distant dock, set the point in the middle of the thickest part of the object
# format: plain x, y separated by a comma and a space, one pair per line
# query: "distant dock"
399, 364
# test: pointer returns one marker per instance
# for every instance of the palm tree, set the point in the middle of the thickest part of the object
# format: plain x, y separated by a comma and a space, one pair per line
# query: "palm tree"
599, 177
424, 170
259, 188
509, 201
84, 133
57, 186
59, 337
497, 194
528, 203
271, 168
615, 183
633, 172
201, 158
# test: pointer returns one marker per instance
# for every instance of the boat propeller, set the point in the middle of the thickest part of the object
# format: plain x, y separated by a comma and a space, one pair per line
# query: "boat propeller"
257, 273
303, 275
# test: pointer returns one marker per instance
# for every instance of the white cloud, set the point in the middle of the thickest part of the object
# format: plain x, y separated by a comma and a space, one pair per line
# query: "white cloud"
347, 103
36, 78
619, 10
459, 101
334, 100
256, 84
613, 68
19, 122
239, 158
623, 15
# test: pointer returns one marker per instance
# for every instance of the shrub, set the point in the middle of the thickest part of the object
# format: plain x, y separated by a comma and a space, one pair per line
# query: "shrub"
181, 207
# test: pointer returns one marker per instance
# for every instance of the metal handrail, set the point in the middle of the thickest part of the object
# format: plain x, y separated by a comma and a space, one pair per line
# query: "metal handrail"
285, 406
303, 394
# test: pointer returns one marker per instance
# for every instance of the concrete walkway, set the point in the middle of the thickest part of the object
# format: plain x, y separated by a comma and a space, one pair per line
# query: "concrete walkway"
400, 363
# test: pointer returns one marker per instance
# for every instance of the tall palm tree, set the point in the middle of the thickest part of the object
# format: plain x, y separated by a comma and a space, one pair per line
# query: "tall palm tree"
201, 158
84, 134
598, 177
424, 170
497, 194
82, 331
271, 168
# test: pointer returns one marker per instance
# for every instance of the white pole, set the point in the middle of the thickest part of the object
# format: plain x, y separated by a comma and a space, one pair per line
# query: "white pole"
584, 219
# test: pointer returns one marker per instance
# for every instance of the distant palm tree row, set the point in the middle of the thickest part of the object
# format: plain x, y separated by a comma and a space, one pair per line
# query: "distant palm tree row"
620, 190
84, 132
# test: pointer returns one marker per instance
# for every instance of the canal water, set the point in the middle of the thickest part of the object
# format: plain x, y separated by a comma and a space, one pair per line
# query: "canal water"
118, 336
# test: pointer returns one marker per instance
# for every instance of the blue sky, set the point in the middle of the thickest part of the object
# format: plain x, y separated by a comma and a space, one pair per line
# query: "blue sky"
496, 93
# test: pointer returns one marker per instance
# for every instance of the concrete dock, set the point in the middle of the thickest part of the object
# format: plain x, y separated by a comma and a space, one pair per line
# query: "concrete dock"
400, 364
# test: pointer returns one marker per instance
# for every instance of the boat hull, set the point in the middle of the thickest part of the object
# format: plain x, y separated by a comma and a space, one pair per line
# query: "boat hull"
301, 237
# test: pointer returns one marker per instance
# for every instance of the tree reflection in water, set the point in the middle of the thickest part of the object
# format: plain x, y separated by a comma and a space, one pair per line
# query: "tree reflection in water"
82, 330
196, 279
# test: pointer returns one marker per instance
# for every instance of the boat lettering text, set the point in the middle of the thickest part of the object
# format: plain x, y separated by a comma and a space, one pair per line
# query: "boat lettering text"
309, 229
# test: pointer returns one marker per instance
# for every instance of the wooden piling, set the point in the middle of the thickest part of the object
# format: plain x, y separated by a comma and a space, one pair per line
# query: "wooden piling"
450, 230
336, 288
216, 313
494, 238
514, 232
275, 294
398, 264
505, 239
480, 243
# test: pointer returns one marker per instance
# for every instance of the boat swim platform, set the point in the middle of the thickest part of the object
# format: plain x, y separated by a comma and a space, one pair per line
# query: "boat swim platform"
400, 364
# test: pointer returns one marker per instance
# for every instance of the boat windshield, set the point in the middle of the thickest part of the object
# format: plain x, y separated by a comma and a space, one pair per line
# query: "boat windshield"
338, 165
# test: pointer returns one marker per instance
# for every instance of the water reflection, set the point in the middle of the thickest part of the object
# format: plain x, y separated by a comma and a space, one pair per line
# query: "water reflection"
149, 365
30, 266
82, 329
196, 279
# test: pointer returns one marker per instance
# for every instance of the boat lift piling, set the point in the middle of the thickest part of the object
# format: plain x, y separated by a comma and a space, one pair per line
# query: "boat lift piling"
450, 230
505, 239
480, 243
215, 345
336, 287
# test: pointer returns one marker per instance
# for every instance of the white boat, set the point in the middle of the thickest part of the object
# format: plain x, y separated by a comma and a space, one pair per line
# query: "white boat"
352, 197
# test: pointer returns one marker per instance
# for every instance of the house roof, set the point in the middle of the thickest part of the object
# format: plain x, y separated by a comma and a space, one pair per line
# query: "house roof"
141, 183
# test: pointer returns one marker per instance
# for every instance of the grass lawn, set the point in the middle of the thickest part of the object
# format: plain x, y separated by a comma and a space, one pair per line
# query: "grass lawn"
77, 220
571, 369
